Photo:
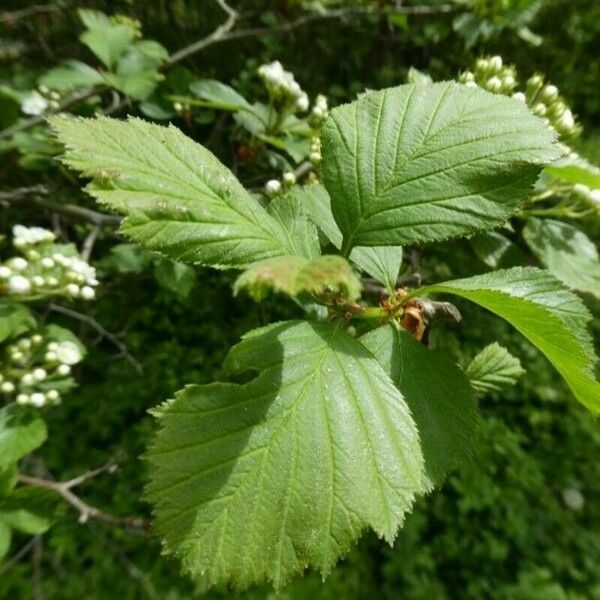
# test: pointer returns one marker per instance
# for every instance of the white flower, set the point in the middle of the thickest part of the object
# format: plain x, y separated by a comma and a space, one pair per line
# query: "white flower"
18, 284
31, 235
5, 272
47, 263
520, 96
50, 357
272, 187
508, 81
36, 339
289, 178
87, 292
80, 267
27, 379
38, 280
38, 399
34, 104
68, 353
494, 84
22, 399
53, 346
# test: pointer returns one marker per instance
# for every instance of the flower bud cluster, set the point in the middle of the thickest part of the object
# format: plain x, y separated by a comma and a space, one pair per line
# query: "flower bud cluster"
282, 86
315, 150
34, 368
545, 102
38, 101
543, 99
492, 75
43, 270
276, 186
319, 112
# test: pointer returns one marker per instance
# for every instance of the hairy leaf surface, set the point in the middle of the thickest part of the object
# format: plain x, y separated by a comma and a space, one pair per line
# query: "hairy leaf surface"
546, 313
178, 197
438, 394
493, 369
429, 162
260, 480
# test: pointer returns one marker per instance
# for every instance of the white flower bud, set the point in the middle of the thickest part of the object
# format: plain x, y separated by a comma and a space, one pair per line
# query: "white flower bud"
50, 357
16, 356
494, 84
39, 374
22, 399
8, 387
550, 93
47, 262
24, 344
567, 121
27, 379
482, 64
34, 104
272, 187
508, 81
87, 292
573, 499
38, 281
37, 399
52, 395
539, 109
496, 62
53, 346
63, 370
18, 284
5, 272
51, 282
520, 96
72, 290
302, 103
18, 263
289, 178
36, 339
471, 84
33, 255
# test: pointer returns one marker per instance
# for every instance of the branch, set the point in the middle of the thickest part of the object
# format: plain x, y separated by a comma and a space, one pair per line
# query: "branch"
86, 511
23, 13
15, 558
103, 332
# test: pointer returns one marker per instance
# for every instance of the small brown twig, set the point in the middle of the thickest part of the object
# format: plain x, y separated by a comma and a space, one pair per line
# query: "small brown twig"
111, 337
86, 511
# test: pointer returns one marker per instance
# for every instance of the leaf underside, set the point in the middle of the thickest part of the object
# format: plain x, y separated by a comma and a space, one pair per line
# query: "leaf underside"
429, 162
493, 369
261, 480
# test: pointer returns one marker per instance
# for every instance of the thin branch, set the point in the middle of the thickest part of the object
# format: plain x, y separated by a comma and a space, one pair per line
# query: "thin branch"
111, 337
88, 244
23, 13
15, 558
217, 35
86, 511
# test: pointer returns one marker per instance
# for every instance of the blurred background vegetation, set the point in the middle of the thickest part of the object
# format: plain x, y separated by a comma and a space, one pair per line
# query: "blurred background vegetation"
522, 522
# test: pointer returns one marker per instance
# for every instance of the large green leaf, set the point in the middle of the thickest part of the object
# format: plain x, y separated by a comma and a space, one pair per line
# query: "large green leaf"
429, 162
566, 252
438, 394
293, 275
179, 198
546, 313
382, 262
260, 480
493, 369
21, 432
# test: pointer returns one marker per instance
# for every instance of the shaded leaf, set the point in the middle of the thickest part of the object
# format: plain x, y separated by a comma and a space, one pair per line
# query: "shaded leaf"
15, 319
21, 432
493, 369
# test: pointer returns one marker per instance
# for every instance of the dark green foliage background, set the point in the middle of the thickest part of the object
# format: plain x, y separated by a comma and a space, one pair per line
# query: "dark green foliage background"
498, 530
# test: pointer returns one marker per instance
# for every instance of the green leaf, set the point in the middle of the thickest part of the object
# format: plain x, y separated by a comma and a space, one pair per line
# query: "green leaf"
219, 95
109, 43
259, 481
493, 369
5, 538
429, 162
581, 172
566, 252
8, 478
30, 509
15, 319
179, 198
293, 275
299, 229
383, 262
21, 432
175, 276
70, 75
438, 394
496, 250
93, 19
546, 313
